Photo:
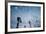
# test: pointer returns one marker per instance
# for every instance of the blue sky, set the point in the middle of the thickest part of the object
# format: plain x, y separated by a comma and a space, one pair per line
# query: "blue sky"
26, 13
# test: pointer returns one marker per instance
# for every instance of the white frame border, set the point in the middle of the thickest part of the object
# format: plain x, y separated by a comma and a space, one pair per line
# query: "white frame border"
24, 29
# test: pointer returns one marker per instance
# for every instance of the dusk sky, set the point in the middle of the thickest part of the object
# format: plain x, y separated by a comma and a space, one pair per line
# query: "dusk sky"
27, 13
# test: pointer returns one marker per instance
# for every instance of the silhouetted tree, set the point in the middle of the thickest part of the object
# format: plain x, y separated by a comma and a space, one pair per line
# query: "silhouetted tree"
30, 23
19, 21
